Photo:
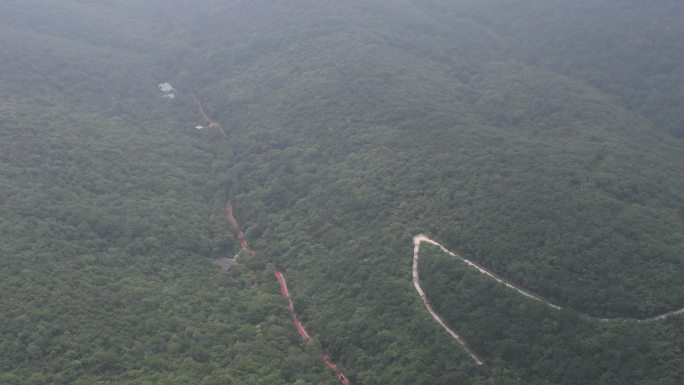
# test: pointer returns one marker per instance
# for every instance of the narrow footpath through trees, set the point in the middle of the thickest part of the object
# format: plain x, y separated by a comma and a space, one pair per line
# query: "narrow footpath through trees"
236, 228
302, 331
279, 276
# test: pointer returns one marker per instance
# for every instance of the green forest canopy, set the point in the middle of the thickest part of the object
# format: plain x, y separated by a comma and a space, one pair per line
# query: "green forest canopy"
539, 138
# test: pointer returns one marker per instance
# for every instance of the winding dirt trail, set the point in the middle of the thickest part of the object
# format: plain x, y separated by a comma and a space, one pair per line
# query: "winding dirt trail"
418, 239
285, 293
302, 331
279, 276
212, 122
236, 228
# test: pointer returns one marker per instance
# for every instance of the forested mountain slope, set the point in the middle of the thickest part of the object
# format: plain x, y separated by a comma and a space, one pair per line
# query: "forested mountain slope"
630, 50
352, 126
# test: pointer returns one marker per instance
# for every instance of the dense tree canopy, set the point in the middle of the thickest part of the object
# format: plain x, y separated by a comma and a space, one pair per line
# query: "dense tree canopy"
538, 138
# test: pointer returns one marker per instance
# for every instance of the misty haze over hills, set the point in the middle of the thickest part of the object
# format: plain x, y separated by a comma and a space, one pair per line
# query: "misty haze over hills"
543, 140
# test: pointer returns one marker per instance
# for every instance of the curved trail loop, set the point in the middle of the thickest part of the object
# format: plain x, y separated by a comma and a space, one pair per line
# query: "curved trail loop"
418, 239
279, 276
416, 283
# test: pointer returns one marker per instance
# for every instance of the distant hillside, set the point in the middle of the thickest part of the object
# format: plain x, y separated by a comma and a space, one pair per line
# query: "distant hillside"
520, 134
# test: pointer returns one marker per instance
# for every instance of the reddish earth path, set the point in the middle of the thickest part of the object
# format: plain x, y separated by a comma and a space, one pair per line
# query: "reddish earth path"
236, 228
290, 306
286, 294
279, 276
418, 239
303, 333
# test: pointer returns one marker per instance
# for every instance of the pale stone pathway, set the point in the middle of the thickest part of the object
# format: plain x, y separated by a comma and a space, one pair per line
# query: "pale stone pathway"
418, 239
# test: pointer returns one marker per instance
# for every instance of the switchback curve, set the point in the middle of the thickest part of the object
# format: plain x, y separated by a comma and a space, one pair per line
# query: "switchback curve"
418, 239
